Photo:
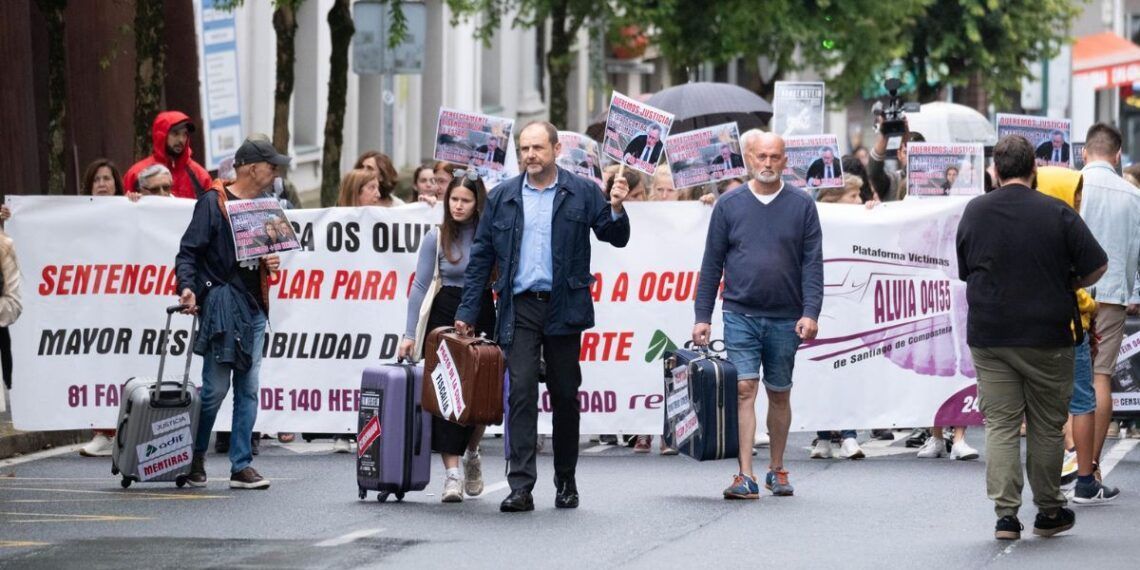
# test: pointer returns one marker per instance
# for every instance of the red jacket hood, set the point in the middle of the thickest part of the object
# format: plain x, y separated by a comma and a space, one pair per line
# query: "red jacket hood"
162, 125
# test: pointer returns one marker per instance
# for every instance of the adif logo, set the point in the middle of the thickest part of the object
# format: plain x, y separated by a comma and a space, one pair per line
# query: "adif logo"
165, 444
659, 344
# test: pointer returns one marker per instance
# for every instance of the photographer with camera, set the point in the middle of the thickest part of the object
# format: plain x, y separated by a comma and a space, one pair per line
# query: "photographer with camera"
890, 121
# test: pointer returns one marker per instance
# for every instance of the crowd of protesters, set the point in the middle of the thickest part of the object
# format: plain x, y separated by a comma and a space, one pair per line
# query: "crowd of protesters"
1048, 379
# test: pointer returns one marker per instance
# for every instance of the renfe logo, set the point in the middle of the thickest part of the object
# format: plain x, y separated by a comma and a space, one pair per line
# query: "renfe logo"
165, 444
170, 424
368, 436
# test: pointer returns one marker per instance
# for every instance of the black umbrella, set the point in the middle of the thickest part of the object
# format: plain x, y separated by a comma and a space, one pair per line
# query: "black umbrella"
699, 105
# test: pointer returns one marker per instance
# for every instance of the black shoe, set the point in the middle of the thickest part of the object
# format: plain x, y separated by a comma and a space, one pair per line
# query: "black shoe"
248, 478
607, 439
1060, 521
197, 476
222, 442
518, 501
1008, 528
255, 445
917, 437
566, 496
882, 434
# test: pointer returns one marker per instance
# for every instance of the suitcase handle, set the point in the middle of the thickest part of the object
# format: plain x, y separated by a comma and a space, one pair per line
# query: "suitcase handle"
417, 418
155, 391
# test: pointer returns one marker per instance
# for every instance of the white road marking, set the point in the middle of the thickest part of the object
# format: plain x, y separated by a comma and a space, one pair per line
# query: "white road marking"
1115, 454
43, 455
495, 487
350, 537
597, 448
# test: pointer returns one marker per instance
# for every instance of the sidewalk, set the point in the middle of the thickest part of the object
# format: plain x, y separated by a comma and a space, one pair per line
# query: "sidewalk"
15, 442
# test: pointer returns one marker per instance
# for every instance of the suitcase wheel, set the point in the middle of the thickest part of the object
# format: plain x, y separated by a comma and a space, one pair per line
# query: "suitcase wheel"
180, 481
382, 497
360, 492
126, 482
399, 496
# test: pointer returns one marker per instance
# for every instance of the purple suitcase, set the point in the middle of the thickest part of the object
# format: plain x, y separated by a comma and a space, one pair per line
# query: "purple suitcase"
394, 433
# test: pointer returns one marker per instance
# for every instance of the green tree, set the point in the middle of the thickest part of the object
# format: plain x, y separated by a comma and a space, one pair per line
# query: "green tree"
340, 24
844, 41
150, 57
991, 40
566, 18
851, 42
52, 11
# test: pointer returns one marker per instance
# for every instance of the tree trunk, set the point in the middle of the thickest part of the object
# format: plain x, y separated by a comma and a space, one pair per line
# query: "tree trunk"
57, 93
559, 63
285, 23
340, 24
150, 55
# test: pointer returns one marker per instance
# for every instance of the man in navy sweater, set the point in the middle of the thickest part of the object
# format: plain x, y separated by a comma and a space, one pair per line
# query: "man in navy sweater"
764, 239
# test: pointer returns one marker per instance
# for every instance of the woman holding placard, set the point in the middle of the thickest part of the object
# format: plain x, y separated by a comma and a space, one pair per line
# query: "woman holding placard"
435, 297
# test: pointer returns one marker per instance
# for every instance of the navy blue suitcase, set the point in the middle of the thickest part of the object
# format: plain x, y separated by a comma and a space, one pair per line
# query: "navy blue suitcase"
712, 397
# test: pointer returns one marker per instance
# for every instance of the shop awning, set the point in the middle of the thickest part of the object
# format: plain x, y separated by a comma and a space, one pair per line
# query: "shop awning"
1105, 60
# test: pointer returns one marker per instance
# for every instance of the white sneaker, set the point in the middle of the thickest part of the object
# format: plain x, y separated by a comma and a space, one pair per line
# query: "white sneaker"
341, 445
934, 448
850, 449
452, 490
99, 446
472, 473
963, 452
762, 440
821, 449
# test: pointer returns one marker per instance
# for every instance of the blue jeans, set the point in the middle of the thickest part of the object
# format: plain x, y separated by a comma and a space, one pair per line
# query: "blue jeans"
755, 343
1084, 397
216, 379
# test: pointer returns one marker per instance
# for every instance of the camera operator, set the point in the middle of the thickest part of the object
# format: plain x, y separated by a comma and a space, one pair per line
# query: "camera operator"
890, 184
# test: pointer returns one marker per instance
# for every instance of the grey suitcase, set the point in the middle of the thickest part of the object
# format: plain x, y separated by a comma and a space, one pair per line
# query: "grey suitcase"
157, 422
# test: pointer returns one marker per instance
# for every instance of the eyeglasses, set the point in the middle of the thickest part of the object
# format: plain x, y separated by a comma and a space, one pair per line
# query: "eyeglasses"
159, 188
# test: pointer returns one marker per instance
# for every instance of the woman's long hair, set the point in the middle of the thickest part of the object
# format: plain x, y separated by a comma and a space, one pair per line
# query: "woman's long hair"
388, 176
449, 230
350, 186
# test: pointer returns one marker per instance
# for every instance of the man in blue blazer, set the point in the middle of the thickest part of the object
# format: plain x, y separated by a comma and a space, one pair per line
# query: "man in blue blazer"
536, 232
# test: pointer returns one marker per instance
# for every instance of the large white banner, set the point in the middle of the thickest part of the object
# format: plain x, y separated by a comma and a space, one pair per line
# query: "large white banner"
891, 349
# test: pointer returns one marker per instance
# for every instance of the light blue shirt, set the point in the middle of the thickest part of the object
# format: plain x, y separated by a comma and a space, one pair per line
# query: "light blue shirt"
1110, 207
536, 265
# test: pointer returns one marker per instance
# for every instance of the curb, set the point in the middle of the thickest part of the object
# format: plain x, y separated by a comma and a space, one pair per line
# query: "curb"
24, 442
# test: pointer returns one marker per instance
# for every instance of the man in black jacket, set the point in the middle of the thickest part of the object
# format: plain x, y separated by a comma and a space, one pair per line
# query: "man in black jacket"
536, 232
234, 305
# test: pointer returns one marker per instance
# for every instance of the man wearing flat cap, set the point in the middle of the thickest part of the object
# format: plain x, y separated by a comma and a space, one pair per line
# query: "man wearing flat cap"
232, 299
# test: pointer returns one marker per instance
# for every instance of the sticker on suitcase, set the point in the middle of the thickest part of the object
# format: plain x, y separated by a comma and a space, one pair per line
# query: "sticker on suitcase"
164, 445
453, 387
686, 428
681, 378
368, 436
170, 424
678, 403
164, 464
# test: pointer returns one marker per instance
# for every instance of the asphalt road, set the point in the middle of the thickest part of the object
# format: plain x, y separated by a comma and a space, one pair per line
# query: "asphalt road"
891, 510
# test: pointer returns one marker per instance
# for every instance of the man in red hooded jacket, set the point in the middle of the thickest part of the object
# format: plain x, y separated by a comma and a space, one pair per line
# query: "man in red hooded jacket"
170, 135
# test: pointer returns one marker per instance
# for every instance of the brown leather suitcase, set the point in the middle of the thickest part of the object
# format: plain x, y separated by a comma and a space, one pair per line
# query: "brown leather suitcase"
480, 364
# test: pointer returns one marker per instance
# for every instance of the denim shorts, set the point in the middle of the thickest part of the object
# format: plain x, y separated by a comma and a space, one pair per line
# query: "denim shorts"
1084, 398
761, 344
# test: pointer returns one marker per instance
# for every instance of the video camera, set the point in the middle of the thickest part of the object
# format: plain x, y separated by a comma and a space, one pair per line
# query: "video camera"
894, 112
